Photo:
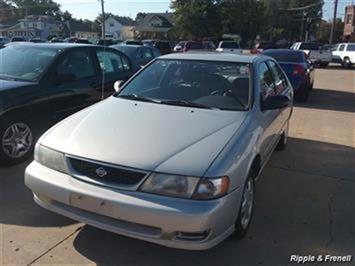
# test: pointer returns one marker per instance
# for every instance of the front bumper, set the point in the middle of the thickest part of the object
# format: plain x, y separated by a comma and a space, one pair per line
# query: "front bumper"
178, 223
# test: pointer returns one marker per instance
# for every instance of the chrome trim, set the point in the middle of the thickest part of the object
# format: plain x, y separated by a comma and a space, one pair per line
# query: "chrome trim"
81, 177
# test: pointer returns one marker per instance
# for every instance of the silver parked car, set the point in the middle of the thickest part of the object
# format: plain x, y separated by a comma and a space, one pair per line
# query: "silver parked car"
172, 157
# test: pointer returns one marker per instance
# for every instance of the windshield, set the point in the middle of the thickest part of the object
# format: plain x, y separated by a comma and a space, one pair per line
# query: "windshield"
206, 84
24, 63
162, 45
310, 46
230, 45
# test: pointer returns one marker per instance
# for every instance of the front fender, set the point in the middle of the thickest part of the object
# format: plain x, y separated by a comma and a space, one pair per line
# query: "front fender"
237, 156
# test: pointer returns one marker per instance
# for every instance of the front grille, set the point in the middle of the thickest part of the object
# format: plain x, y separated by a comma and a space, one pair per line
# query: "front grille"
105, 174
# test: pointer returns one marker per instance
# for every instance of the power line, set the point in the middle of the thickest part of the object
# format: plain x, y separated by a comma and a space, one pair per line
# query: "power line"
302, 8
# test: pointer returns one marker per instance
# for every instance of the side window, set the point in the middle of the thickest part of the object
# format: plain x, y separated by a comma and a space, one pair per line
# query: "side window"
341, 47
77, 64
279, 77
351, 48
266, 81
126, 63
147, 54
111, 62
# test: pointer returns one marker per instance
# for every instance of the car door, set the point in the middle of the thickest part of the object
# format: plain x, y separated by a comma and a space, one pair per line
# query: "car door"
114, 66
341, 51
268, 122
73, 83
282, 87
350, 51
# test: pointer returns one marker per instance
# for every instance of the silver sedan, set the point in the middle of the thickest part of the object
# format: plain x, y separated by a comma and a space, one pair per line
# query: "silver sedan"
172, 157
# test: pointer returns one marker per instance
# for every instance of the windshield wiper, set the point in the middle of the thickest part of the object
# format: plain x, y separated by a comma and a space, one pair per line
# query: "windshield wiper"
137, 98
186, 103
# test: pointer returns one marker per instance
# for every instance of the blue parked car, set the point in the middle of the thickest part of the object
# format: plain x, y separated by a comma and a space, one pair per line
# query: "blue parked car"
298, 69
138, 54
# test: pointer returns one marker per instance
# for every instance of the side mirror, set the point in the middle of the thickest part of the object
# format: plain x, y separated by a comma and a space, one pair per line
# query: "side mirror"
118, 85
63, 78
275, 102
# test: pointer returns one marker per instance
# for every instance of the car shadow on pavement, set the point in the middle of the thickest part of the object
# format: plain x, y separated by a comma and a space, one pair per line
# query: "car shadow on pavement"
16, 202
330, 100
303, 200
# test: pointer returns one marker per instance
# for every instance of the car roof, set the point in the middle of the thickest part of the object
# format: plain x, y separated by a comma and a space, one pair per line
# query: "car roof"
283, 51
55, 46
213, 56
128, 45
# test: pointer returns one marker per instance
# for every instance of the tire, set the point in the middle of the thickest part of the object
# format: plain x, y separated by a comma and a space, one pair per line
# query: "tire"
324, 65
283, 140
311, 86
246, 208
347, 63
16, 142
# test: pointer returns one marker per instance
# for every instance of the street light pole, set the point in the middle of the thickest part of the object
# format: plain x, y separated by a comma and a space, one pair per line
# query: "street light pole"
334, 22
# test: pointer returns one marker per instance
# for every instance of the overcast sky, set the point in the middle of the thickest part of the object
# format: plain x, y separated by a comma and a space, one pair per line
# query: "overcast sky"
88, 9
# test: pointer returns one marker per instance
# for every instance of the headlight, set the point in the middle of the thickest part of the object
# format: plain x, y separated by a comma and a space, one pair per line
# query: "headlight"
51, 158
185, 186
170, 185
212, 188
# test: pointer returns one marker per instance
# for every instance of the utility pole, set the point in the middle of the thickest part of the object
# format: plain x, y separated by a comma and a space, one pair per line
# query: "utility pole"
103, 35
302, 25
334, 22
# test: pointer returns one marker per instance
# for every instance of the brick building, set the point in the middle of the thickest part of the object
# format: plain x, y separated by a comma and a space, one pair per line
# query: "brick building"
349, 23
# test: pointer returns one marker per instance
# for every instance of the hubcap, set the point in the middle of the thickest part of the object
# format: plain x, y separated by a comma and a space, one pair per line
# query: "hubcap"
17, 140
247, 203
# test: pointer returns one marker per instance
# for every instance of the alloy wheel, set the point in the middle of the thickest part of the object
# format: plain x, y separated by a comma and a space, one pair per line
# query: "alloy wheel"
247, 203
17, 140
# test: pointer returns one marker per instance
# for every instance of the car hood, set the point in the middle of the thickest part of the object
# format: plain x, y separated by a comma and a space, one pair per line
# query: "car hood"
147, 136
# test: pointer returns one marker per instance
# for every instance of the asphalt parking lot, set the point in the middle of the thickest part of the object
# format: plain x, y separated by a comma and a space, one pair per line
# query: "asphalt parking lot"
304, 202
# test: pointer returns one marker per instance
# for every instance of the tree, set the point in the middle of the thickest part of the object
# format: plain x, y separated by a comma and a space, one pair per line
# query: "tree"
6, 11
248, 18
196, 19
324, 29
140, 16
295, 17
35, 7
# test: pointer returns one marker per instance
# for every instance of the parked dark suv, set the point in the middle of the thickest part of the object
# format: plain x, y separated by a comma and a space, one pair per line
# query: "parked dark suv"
40, 84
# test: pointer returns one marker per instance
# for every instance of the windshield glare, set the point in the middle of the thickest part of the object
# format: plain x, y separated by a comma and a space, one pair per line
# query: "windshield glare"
219, 85
24, 63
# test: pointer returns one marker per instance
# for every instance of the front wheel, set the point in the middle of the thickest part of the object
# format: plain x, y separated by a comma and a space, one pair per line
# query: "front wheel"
246, 209
323, 64
347, 63
16, 142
